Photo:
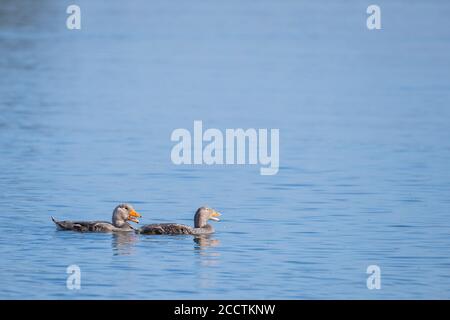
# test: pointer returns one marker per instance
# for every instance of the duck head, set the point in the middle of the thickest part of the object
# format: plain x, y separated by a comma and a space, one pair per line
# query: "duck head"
123, 213
204, 214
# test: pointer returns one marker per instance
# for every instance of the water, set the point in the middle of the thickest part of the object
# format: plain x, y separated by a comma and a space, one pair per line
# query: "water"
85, 124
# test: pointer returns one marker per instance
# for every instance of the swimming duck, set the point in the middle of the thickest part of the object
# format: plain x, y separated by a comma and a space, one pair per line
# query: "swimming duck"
120, 217
201, 225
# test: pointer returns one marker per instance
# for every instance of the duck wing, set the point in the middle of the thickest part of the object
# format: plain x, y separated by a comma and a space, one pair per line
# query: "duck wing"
165, 228
84, 226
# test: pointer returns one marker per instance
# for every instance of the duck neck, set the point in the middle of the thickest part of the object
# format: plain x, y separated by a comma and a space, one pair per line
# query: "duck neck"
200, 222
121, 224
206, 229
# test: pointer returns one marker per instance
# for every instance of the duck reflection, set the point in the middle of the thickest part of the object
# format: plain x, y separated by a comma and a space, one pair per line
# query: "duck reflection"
204, 241
123, 242
205, 247
208, 257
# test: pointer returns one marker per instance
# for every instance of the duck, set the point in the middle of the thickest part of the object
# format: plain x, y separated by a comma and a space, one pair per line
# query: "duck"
121, 215
201, 226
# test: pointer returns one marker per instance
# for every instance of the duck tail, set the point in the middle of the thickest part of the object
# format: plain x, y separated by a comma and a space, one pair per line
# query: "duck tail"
58, 223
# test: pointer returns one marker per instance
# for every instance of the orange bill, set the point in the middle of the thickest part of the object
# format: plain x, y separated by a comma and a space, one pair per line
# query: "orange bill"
133, 215
215, 216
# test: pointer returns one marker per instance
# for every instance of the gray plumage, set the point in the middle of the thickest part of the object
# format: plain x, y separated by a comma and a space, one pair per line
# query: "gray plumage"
121, 215
201, 225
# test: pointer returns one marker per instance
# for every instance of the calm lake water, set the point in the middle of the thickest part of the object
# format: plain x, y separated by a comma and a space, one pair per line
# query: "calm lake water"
364, 118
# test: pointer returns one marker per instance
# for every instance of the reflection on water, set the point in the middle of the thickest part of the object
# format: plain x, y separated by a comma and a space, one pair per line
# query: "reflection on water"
85, 124
208, 260
204, 241
204, 244
123, 242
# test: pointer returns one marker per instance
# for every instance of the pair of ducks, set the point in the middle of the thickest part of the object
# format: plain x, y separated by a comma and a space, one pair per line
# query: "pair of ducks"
125, 212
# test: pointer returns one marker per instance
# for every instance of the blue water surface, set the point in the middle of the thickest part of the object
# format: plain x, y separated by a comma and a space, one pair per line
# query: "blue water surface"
364, 117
